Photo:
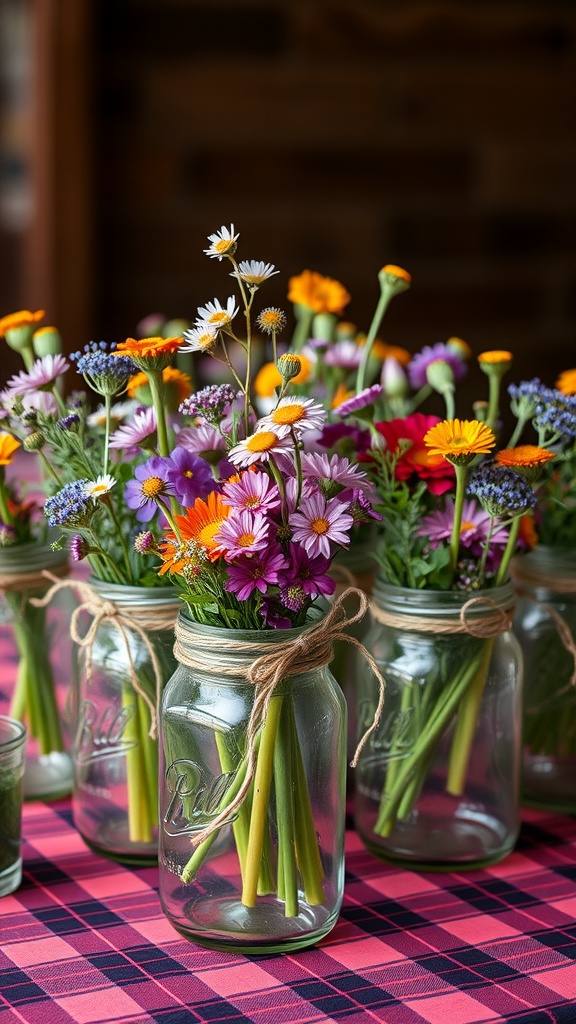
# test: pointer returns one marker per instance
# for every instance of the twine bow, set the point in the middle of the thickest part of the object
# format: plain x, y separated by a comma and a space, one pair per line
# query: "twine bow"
132, 619
273, 663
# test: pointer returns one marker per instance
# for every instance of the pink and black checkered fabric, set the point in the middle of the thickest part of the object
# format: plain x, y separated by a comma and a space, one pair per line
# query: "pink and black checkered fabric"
83, 941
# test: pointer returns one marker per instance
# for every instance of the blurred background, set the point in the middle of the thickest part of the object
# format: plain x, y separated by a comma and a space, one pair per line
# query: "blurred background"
335, 135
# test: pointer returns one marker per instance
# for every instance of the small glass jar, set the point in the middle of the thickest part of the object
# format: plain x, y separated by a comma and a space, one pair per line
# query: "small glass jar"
36, 642
437, 783
115, 796
270, 877
545, 624
12, 750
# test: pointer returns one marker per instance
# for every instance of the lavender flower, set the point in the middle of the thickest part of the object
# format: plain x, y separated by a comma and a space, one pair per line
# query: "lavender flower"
320, 522
211, 402
41, 376
359, 401
501, 491
243, 534
345, 355
334, 473
474, 528
255, 492
139, 434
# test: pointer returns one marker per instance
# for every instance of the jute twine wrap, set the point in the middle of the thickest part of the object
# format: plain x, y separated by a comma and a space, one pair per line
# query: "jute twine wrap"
30, 581
523, 579
479, 617
267, 665
151, 617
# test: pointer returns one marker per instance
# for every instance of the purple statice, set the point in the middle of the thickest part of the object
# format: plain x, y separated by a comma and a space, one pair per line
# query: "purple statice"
189, 475
212, 403
345, 355
105, 372
70, 506
78, 548
334, 473
474, 528
243, 533
318, 523
306, 573
150, 489
501, 491
360, 401
41, 375
430, 354
551, 410
254, 491
525, 396
138, 434
255, 572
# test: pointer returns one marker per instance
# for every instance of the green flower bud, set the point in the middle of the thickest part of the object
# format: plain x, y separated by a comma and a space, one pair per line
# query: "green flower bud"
47, 341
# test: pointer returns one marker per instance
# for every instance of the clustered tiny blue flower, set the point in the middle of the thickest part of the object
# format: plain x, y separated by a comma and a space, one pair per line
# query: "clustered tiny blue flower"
211, 402
501, 491
70, 506
106, 373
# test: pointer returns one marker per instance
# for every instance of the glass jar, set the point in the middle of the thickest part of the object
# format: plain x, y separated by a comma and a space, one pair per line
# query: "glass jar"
545, 624
35, 642
125, 660
267, 875
437, 783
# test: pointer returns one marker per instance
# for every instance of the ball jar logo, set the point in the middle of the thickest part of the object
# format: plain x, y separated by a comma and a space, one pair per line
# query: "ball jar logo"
393, 740
101, 732
194, 796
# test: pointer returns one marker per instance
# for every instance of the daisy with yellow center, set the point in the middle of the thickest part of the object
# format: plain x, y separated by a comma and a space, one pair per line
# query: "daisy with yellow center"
297, 413
459, 441
318, 293
222, 243
8, 448
216, 317
259, 447
100, 487
566, 382
200, 339
271, 320
254, 272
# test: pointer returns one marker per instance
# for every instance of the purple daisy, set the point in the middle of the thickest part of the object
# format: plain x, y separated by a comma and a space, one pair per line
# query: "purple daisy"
150, 488
42, 375
431, 353
334, 473
310, 574
243, 533
255, 492
255, 572
189, 475
359, 401
319, 522
139, 433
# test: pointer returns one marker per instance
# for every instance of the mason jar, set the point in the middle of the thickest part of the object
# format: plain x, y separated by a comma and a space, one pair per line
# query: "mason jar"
437, 783
37, 650
545, 625
251, 863
124, 662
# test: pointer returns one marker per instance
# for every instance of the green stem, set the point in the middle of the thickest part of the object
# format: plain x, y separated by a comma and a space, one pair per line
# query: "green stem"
493, 399
461, 472
508, 551
241, 824
107, 408
196, 860
156, 382
284, 788
466, 726
383, 301
518, 429
302, 329
262, 786
139, 824
307, 851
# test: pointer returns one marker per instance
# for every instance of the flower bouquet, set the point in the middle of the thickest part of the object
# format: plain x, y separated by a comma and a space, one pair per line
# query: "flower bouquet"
253, 737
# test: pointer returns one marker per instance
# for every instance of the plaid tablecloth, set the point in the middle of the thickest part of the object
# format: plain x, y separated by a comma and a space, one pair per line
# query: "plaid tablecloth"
83, 941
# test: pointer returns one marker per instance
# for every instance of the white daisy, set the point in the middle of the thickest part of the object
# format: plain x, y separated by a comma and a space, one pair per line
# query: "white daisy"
214, 316
260, 446
98, 488
199, 339
222, 243
297, 413
254, 272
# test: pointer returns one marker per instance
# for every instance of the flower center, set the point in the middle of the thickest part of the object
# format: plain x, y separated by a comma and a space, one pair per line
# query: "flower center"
220, 317
245, 540
153, 487
223, 244
252, 501
320, 525
289, 413
188, 473
100, 489
262, 441
207, 534
466, 525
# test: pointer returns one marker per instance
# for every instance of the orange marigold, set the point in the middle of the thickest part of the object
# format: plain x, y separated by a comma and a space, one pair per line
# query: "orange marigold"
144, 347
524, 455
23, 318
459, 441
200, 524
394, 271
318, 293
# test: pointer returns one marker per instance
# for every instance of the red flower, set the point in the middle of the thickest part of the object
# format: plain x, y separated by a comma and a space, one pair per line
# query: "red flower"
438, 473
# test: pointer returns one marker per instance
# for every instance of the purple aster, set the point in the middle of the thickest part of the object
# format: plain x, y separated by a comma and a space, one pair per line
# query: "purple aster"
319, 522
360, 508
189, 475
254, 491
243, 533
139, 434
309, 573
150, 488
42, 375
345, 355
359, 401
429, 354
334, 474
255, 572
474, 528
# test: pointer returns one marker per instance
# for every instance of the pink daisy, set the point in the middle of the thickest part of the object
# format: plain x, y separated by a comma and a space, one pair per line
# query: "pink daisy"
243, 534
359, 401
42, 375
254, 491
138, 434
318, 522
255, 572
473, 530
334, 473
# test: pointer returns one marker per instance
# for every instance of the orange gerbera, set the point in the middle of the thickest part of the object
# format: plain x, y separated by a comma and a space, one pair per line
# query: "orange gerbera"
178, 384
566, 382
318, 293
459, 441
524, 455
199, 524
23, 318
268, 377
8, 446
149, 353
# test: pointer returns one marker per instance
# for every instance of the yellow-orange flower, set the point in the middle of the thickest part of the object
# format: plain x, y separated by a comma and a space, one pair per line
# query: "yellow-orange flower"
269, 378
318, 293
23, 318
566, 382
524, 455
396, 272
495, 356
342, 394
179, 383
8, 447
459, 441
145, 347
461, 347
381, 350
200, 524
